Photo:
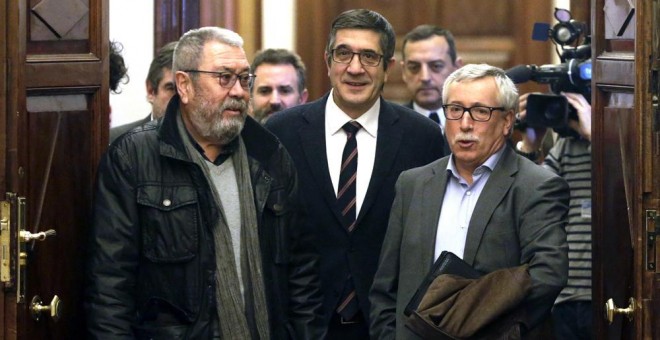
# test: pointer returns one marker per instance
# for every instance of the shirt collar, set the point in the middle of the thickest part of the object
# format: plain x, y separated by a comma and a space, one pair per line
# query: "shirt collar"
335, 118
489, 164
425, 111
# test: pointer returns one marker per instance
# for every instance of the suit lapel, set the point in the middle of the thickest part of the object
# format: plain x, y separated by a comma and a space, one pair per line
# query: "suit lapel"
498, 185
432, 196
312, 139
387, 147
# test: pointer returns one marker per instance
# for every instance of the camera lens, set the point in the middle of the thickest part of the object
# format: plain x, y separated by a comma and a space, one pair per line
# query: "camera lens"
563, 35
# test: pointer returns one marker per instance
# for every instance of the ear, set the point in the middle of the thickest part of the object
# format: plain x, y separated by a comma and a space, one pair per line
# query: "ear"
388, 64
509, 119
303, 96
326, 59
184, 86
404, 74
459, 62
151, 92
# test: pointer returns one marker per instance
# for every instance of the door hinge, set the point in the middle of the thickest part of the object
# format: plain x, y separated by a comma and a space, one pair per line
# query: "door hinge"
652, 227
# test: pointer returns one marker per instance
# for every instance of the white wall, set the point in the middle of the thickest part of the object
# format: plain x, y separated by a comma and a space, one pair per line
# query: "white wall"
278, 27
132, 24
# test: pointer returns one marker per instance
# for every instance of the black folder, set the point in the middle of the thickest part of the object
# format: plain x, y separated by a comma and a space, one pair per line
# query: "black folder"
447, 263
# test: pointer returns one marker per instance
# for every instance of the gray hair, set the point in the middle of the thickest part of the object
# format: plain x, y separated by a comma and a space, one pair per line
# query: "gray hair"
508, 92
188, 52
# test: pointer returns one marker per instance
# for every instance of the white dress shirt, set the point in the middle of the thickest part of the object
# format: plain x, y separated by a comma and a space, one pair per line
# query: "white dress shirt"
425, 113
335, 140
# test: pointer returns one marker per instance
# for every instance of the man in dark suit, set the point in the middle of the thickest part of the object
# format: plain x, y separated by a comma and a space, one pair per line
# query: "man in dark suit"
160, 89
485, 203
429, 56
347, 210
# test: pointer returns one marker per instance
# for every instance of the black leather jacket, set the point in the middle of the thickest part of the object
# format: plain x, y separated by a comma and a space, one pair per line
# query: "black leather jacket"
151, 265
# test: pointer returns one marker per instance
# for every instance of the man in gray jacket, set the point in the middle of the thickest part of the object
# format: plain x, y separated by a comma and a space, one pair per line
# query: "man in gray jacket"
484, 203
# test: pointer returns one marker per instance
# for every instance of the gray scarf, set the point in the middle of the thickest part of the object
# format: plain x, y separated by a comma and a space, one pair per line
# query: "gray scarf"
240, 317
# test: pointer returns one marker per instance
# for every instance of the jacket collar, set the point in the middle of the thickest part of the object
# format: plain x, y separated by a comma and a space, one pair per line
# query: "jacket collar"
312, 137
435, 183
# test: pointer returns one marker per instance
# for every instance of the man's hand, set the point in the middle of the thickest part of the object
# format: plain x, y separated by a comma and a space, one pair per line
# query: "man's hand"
531, 137
581, 105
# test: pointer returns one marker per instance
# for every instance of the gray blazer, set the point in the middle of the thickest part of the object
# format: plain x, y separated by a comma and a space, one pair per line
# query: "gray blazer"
519, 218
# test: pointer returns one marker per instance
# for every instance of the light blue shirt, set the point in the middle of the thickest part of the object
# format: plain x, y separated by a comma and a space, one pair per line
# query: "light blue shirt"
458, 205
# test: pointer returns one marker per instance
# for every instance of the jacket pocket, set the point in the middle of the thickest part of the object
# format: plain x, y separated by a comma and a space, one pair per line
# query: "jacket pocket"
169, 220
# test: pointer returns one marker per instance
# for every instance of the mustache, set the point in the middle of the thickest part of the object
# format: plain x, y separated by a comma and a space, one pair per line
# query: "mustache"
465, 137
234, 104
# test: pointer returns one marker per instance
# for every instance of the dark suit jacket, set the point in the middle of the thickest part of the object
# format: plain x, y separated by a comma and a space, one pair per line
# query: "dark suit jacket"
446, 148
405, 140
122, 129
519, 218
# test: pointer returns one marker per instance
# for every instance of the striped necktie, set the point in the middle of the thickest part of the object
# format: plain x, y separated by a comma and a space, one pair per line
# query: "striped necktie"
346, 201
347, 176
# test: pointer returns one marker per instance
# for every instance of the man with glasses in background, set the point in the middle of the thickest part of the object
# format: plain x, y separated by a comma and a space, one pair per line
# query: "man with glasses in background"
349, 147
194, 232
485, 203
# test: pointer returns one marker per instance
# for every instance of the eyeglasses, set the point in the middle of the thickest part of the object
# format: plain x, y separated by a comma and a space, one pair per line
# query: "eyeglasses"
228, 79
345, 56
477, 113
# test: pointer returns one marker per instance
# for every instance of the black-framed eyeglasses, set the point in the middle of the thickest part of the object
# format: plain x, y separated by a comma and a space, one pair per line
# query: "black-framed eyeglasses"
345, 56
477, 113
228, 79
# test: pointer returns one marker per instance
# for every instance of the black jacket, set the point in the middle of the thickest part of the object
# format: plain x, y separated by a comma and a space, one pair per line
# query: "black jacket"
151, 267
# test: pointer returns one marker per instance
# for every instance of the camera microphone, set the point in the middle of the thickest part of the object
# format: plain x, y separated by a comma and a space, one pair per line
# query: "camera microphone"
520, 74
573, 72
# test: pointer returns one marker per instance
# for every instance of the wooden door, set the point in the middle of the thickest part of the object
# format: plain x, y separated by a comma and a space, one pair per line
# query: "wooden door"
626, 168
53, 128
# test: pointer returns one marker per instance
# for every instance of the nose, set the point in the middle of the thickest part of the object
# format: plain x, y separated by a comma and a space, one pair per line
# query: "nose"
424, 73
275, 98
466, 121
237, 90
355, 66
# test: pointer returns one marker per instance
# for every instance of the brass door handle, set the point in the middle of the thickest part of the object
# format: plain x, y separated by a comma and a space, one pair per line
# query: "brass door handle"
611, 309
36, 308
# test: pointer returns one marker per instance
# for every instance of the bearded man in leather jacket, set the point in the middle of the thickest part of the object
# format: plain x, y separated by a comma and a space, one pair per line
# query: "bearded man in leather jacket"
195, 232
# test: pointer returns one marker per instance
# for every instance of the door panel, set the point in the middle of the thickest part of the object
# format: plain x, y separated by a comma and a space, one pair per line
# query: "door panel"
625, 151
56, 128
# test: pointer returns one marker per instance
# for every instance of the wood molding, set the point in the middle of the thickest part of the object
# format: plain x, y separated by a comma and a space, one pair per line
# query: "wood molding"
173, 18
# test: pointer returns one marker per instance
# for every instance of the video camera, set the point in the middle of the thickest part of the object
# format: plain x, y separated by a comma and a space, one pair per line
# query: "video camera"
572, 75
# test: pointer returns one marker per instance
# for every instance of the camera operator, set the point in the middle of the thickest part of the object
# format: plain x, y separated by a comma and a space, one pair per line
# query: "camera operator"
570, 157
